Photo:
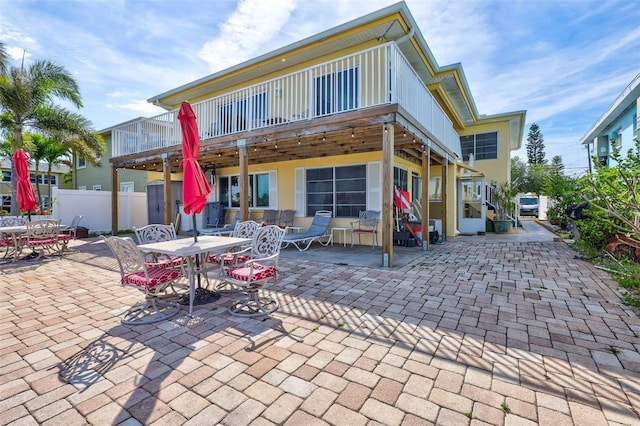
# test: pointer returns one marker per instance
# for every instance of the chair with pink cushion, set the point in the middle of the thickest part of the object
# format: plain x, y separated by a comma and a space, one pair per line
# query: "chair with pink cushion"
151, 279
254, 274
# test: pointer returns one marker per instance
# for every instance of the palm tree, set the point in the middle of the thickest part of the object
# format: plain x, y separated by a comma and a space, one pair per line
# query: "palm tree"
4, 58
55, 154
26, 102
39, 145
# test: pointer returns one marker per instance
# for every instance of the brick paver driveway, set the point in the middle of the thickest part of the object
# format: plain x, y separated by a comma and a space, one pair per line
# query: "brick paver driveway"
479, 330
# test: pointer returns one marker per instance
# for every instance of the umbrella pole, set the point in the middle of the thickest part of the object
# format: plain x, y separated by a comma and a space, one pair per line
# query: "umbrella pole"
195, 239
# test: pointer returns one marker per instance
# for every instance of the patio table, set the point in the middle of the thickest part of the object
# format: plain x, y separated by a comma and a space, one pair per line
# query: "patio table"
188, 249
15, 232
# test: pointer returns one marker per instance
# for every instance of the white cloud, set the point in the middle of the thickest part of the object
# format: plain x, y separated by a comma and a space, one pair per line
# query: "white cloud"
245, 33
140, 107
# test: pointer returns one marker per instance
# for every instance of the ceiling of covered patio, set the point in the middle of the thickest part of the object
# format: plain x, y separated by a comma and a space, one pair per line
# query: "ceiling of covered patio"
340, 134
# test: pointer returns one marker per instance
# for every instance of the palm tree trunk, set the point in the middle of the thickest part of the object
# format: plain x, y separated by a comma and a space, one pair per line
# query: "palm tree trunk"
37, 172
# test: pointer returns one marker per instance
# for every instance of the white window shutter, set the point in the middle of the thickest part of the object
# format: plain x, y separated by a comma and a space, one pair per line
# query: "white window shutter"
374, 186
300, 205
273, 190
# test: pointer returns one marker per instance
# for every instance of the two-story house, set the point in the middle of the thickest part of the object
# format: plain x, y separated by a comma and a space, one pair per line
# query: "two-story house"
619, 125
336, 122
43, 182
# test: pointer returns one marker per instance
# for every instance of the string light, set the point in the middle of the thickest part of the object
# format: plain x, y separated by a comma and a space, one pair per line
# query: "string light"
385, 127
276, 144
299, 141
324, 137
404, 133
353, 135
219, 155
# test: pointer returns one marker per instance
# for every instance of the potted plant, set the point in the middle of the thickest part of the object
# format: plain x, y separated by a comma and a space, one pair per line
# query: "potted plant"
504, 200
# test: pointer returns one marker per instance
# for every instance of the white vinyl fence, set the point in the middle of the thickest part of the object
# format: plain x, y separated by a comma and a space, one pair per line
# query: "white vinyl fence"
95, 207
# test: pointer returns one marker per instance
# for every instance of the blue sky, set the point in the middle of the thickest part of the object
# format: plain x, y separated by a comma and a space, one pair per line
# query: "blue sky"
564, 61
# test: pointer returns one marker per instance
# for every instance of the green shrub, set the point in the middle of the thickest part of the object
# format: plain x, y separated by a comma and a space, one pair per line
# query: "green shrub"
595, 230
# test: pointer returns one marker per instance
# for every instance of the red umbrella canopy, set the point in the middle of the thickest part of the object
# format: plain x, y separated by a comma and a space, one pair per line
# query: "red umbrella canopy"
195, 187
25, 196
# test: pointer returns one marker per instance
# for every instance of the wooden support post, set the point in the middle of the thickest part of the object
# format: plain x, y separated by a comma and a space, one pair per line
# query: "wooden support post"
166, 170
387, 195
445, 193
424, 206
244, 179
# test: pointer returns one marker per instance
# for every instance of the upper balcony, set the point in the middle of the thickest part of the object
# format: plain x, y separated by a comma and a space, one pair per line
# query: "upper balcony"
371, 78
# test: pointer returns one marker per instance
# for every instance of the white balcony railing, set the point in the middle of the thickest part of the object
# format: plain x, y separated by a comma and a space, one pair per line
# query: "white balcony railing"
373, 77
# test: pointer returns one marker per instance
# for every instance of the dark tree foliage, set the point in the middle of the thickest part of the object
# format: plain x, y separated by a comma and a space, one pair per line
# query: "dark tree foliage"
535, 146
557, 166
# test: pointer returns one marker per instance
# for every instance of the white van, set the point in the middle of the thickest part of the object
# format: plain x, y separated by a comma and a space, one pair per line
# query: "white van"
529, 205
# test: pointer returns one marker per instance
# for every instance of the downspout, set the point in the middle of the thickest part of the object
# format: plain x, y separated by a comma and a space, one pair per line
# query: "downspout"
405, 37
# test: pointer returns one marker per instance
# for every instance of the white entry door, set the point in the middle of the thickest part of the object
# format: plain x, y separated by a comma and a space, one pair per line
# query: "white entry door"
472, 211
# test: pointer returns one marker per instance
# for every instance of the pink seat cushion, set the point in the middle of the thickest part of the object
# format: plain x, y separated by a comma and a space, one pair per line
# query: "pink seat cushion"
260, 272
157, 276
66, 237
166, 262
43, 242
368, 231
227, 258
6, 242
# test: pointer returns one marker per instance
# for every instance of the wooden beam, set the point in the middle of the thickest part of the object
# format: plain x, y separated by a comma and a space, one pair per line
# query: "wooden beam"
387, 194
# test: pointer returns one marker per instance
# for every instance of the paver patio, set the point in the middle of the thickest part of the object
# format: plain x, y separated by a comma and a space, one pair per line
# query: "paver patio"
507, 330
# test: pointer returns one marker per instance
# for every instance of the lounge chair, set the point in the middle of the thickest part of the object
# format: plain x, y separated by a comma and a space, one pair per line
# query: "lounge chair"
318, 230
223, 230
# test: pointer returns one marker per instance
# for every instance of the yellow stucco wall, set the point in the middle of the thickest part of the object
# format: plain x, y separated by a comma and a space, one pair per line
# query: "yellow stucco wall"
498, 170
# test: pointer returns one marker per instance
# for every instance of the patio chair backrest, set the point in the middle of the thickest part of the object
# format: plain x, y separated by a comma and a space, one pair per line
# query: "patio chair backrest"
269, 217
236, 219
369, 218
76, 221
267, 241
13, 221
73, 228
286, 218
320, 223
42, 229
130, 258
154, 233
245, 229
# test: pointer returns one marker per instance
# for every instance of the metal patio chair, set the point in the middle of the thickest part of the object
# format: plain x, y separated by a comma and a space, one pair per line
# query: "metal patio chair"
254, 274
151, 279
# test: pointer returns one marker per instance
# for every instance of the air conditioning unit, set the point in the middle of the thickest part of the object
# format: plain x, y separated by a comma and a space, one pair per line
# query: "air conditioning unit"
435, 225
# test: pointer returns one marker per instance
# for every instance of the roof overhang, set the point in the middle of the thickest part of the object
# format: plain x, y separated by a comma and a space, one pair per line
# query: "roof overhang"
626, 99
393, 23
516, 120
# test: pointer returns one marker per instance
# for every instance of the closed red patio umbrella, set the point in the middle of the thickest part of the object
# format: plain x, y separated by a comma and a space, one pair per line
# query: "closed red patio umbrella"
195, 188
25, 195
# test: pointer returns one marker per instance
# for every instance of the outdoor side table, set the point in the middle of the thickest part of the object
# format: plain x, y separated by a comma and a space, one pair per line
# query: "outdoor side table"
344, 234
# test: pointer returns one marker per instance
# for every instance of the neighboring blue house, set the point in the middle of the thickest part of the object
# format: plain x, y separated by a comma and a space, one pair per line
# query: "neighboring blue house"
619, 123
